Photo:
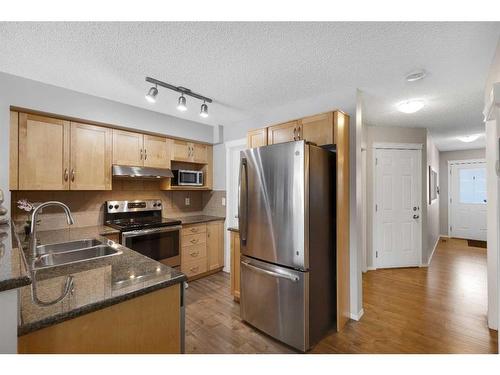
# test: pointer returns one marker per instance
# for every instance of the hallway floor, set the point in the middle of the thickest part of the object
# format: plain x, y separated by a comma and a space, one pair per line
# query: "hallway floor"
439, 309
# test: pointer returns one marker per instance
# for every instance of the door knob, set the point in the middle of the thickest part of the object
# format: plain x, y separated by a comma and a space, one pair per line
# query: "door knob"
416, 216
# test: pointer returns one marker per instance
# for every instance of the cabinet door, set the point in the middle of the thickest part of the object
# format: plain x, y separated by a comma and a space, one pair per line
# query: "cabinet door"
127, 148
283, 132
257, 138
90, 157
43, 153
155, 152
181, 150
199, 153
235, 265
215, 245
318, 129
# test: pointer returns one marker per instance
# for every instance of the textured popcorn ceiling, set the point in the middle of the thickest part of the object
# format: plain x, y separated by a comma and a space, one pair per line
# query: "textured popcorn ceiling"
251, 69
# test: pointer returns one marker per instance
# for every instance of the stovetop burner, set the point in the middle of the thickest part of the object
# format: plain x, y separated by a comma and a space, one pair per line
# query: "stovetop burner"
136, 215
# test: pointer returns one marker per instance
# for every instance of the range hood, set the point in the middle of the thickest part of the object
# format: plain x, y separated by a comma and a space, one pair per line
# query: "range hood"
141, 172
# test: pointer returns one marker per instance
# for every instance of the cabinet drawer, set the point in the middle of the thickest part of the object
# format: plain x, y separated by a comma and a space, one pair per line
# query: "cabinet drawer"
194, 252
195, 267
192, 229
194, 239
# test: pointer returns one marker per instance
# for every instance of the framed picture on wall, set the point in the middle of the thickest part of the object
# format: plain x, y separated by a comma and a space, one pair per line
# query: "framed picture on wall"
433, 188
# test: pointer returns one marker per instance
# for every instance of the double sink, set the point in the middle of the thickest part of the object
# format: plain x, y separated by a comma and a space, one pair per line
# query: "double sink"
64, 253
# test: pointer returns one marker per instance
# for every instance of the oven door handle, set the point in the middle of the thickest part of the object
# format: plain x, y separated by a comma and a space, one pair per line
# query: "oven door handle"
142, 232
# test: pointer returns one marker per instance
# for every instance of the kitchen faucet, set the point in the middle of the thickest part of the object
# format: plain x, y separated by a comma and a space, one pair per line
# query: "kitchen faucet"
34, 218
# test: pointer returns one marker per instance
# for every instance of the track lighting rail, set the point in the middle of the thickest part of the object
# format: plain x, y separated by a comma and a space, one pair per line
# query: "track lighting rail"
180, 89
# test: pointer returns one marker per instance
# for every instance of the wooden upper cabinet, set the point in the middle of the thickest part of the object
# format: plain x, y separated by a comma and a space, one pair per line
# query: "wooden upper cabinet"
199, 153
257, 138
215, 245
127, 148
90, 157
156, 152
318, 129
289, 131
190, 152
181, 151
43, 153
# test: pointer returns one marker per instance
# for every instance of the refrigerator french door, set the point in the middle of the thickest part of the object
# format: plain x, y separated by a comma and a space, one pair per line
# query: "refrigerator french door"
287, 234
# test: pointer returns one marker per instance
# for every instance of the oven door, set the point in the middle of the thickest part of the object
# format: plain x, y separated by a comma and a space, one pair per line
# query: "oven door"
160, 244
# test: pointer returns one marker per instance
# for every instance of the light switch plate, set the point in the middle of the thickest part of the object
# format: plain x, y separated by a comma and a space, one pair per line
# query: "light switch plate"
223, 201
187, 201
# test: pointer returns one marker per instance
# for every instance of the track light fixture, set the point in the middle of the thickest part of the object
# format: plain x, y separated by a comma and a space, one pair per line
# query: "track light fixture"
204, 110
151, 95
181, 103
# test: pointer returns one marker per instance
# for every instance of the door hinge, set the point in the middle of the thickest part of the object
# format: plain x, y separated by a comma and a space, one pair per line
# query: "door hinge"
450, 228
376, 161
376, 254
376, 207
450, 200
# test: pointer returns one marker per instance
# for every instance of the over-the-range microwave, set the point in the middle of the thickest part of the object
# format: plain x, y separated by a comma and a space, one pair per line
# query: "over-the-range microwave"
184, 177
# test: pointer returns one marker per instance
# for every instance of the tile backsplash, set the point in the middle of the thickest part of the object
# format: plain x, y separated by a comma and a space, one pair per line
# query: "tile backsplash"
87, 207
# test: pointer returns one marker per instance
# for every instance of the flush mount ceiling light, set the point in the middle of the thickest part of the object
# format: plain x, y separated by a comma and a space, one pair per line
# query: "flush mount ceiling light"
181, 103
416, 76
469, 138
410, 106
151, 95
204, 110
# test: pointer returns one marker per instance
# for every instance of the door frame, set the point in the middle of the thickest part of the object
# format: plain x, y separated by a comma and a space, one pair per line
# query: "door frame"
229, 146
375, 224
450, 164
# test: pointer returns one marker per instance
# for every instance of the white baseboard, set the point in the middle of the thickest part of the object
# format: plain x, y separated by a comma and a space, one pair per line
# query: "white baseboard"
357, 316
371, 268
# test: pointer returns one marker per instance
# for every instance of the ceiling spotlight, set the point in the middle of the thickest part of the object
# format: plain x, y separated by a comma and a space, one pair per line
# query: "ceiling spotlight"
151, 95
181, 104
411, 106
469, 138
416, 76
204, 110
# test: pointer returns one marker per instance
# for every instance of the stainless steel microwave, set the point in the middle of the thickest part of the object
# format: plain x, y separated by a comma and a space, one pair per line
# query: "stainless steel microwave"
184, 177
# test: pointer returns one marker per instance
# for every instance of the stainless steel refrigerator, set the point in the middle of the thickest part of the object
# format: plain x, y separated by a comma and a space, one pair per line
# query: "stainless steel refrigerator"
287, 232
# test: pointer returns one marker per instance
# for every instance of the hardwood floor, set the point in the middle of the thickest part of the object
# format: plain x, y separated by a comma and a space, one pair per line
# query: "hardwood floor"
440, 309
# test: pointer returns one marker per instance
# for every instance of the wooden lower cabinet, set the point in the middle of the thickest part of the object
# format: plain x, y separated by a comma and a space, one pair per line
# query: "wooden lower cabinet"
202, 249
150, 323
235, 265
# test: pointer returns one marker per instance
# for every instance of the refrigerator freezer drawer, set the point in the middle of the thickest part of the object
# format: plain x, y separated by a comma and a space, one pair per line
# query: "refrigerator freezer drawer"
275, 300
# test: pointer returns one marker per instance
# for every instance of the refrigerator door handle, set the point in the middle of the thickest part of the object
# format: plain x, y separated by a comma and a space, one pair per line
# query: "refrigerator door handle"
243, 201
271, 273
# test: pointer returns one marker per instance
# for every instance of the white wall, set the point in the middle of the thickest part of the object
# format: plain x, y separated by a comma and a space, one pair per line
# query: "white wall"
376, 134
432, 207
444, 157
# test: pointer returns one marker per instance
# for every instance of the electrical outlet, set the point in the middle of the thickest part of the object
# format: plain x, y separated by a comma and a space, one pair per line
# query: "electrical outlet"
187, 201
223, 201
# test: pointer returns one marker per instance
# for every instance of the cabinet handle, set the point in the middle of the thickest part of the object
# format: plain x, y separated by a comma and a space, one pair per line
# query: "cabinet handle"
145, 154
194, 240
66, 174
294, 134
299, 137
194, 230
194, 269
141, 153
194, 253
73, 175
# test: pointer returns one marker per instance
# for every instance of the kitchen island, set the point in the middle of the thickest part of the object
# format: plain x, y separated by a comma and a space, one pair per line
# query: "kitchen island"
126, 303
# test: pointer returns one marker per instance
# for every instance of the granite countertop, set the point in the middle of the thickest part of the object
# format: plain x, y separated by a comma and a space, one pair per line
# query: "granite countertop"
196, 219
97, 283
14, 271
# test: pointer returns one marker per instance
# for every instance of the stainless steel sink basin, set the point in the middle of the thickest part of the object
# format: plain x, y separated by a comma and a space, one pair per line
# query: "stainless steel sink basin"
68, 246
53, 259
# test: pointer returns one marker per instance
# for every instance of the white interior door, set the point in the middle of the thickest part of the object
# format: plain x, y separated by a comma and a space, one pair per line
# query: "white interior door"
398, 223
468, 200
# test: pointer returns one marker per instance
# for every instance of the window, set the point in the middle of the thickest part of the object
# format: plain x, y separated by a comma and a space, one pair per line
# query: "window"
472, 185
